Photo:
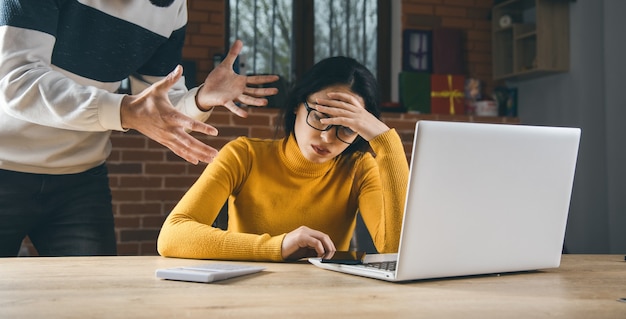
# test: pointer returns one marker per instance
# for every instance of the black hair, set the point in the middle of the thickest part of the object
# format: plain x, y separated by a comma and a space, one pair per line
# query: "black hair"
338, 70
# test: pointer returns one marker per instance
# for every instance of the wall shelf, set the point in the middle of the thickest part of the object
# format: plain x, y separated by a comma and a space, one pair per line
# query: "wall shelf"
533, 39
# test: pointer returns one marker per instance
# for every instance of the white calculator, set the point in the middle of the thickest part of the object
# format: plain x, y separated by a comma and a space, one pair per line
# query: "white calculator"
207, 272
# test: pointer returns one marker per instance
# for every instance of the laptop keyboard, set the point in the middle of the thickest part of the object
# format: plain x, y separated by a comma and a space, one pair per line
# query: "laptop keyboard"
385, 265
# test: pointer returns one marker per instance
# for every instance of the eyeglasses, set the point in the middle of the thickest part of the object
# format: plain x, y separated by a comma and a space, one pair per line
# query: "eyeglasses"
313, 117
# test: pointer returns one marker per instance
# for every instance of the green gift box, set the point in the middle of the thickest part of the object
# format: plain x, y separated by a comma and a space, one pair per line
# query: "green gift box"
414, 90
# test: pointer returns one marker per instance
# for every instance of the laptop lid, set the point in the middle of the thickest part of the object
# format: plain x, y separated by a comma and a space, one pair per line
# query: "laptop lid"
486, 198
481, 199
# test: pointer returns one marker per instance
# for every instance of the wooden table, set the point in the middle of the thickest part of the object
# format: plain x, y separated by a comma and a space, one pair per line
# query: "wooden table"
585, 286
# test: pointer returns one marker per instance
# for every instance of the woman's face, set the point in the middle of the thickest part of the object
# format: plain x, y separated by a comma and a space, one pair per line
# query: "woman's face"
319, 146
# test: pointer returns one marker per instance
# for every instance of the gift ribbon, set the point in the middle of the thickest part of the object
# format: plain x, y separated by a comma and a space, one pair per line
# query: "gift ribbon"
452, 93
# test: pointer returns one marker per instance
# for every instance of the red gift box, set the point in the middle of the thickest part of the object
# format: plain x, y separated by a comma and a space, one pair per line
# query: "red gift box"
446, 94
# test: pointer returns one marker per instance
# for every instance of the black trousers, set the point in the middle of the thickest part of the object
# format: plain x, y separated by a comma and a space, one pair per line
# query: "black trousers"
63, 215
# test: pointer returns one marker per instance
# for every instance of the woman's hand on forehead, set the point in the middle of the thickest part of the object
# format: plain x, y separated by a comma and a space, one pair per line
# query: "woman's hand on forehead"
348, 110
339, 100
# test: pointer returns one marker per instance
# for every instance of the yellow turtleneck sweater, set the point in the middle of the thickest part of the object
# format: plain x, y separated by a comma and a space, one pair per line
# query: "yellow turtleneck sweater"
272, 189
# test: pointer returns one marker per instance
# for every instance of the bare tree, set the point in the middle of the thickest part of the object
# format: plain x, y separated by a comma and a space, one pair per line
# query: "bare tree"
342, 27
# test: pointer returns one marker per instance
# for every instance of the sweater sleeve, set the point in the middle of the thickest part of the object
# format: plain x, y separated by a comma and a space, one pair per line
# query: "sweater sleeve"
34, 90
187, 231
383, 191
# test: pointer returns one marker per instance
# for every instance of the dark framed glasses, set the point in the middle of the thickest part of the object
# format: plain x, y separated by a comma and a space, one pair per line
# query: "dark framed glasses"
313, 117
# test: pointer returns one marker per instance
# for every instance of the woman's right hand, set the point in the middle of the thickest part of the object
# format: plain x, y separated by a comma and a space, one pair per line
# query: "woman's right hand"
306, 242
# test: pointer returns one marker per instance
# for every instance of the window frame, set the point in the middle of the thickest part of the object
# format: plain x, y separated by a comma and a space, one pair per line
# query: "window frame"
303, 50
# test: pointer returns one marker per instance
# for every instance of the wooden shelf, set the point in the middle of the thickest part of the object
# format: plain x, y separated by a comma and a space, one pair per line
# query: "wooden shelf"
535, 43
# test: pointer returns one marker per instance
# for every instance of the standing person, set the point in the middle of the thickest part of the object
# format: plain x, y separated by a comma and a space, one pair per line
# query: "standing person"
298, 196
61, 63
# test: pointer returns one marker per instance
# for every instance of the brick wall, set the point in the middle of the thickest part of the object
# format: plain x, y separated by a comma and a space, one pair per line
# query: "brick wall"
147, 179
471, 16
206, 32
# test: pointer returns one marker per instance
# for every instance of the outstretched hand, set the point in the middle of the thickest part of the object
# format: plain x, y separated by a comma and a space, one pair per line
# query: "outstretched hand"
306, 242
224, 87
152, 114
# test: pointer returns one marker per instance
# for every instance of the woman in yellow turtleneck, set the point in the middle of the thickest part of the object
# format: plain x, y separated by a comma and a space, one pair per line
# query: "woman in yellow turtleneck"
298, 196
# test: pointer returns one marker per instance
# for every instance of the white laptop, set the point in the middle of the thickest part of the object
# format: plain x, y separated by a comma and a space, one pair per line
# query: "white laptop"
481, 199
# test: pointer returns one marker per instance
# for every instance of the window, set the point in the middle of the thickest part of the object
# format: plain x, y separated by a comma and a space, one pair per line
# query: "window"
286, 37
346, 28
264, 26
